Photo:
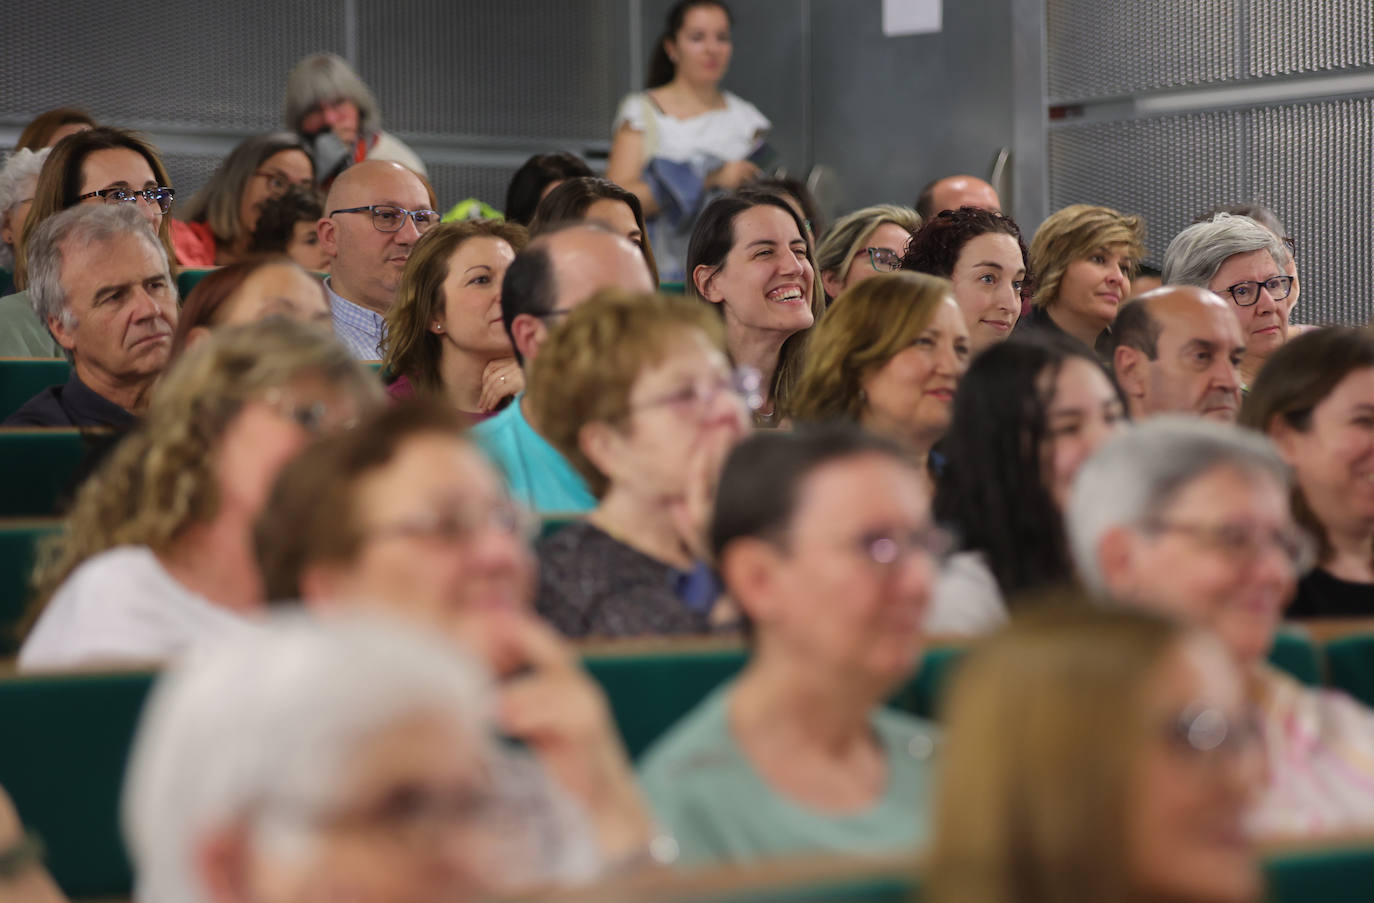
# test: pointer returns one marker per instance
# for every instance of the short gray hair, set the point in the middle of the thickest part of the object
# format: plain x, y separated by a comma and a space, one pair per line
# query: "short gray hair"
82, 224
17, 181
1139, 472
1196, 253
275, 716
325, 76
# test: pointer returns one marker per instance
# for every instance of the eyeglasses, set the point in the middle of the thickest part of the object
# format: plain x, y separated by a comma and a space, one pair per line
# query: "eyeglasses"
1290, 244
386, 218
1243, 543
161, 196
459, 524
1204, 731
315, 417
887, 548
743, 382
884, 260
279, 183
1278, 288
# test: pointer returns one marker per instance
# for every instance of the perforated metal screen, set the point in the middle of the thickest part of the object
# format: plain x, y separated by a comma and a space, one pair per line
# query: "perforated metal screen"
1296, 36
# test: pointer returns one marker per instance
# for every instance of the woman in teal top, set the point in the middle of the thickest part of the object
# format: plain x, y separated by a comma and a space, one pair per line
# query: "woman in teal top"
824, 540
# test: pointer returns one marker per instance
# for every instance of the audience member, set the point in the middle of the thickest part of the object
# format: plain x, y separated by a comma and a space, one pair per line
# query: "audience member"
156, 556
376, 772
1028, 413
535, 178
23, 878
800, 199
981, 253
557, 272
684, 138
1147, 279
636, 392
1269, 220
1192, 518
1242, 262
445, 333
336, 112
953, 192
46, 129
887, 354
92, 167
588, 198
750, 257
797, 755
1315, 399
1178, 349
18, 179
863, 244
216, 225
1096, 756
375, 213
403, 517
246, 292
288, 225
1083, 258
100, 281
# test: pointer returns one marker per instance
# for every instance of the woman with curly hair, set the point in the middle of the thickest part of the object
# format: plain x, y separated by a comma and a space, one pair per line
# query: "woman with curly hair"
156, 555
445, 333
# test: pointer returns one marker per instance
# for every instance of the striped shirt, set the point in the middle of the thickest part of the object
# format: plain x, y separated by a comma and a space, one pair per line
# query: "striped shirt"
360, 329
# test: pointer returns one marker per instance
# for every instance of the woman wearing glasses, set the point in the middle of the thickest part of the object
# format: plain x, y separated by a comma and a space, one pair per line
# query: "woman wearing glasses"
1315, 399
636, 392
981, 253
863, 244
1245, 264
97, 166
216, 225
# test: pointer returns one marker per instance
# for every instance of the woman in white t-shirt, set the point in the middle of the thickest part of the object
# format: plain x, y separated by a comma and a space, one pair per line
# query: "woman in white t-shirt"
156, 555
684, 132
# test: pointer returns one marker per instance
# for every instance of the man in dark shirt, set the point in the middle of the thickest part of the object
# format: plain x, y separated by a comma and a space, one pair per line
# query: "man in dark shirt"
99, 278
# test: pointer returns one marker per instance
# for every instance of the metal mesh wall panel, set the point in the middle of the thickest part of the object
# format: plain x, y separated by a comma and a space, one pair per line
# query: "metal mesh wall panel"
1103, 50
189, 172
217, 65
1300, 36
522, 68
454, 182
1314, 164
1166, 169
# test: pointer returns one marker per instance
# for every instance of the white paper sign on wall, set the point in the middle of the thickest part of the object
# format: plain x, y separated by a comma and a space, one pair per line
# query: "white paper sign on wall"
911, 17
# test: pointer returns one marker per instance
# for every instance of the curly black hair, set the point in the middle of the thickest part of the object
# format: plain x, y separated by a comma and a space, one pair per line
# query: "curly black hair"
934, 248
279, 216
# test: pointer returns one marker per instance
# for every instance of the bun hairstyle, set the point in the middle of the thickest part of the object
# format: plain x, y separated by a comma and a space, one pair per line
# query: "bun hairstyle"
661, 68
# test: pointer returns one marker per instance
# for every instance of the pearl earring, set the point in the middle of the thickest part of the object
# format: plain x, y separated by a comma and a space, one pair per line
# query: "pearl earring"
438, 327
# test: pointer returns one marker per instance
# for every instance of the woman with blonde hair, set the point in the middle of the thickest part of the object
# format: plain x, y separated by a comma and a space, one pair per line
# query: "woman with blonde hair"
156, 554
445, 333
863, 244
1096, 755
1084, 258
888, 354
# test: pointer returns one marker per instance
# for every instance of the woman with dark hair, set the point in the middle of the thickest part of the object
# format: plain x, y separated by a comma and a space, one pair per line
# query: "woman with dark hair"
534, 180
46, 129
246, 292
590, 198
749, 256
1315, 399
982, 254
684, 136
1028, 413
216, 225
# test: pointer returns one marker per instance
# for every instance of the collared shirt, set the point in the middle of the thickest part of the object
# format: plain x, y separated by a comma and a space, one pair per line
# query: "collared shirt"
71, 405
360, 329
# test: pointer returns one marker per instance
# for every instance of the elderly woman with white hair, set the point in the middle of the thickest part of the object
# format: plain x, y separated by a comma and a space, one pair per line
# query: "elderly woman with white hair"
1191, 518
344, 759
1245, 264
863, 244
17, 181
338, 115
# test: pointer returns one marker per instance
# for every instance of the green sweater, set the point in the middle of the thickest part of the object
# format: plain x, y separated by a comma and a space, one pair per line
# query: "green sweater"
22, 334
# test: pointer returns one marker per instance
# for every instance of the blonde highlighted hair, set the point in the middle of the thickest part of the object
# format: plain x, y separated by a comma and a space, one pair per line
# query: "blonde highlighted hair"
1074, 233
588, 365
850, 233
863, 329
161, 479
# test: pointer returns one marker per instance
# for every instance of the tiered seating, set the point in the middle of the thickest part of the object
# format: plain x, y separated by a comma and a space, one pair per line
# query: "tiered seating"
41, 466
17, 542
22, 378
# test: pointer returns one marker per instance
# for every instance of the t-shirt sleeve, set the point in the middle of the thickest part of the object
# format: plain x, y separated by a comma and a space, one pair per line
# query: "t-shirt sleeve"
631, 113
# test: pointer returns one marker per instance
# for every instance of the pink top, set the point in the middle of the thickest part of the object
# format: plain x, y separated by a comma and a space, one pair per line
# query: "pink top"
402, 388
194, 243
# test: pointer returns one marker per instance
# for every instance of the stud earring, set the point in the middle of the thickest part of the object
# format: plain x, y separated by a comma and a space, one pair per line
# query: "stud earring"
438, 327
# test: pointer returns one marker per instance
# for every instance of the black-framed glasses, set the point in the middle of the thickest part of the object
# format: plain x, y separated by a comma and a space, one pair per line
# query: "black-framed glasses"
386, 218
1244, 542
162, 196
884, 260
1246, 294
1290, 244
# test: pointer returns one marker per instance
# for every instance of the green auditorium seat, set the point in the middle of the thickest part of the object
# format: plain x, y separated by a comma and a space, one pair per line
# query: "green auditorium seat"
923, 694
1350, 664
189, 278
62, 758
1295, 653
1338, 874
17, 541
40, 467
21, 378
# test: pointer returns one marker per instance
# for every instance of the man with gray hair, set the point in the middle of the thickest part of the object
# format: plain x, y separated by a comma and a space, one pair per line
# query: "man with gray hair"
1245, 264
99, 279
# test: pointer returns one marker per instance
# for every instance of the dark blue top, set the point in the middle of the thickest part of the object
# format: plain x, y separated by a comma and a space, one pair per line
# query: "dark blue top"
71, 405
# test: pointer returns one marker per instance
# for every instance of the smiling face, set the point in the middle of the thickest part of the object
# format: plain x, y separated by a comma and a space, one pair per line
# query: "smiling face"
765, 282
911, 396
1264, 324
701, 49
471, 314
1083, 412
1093, 287
987, 280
